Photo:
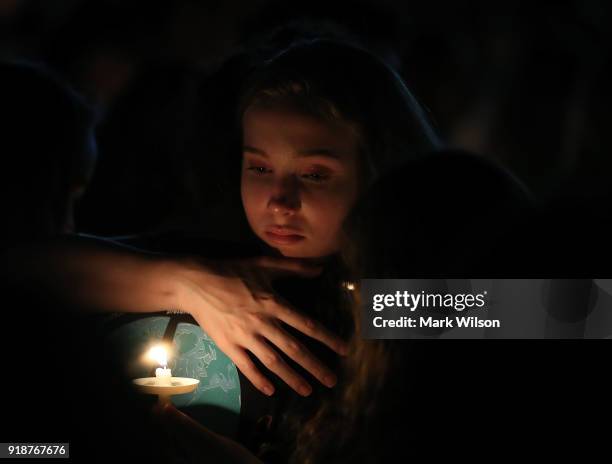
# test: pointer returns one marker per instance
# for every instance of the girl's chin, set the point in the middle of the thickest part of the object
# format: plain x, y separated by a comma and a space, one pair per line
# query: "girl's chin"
298, 249
293, 251
303, 253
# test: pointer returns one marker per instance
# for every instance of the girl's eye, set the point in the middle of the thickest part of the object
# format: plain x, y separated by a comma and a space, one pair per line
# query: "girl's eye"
259, 170
316, 176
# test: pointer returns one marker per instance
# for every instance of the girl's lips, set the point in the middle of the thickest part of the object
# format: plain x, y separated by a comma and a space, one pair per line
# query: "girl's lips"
283, 230
283, 237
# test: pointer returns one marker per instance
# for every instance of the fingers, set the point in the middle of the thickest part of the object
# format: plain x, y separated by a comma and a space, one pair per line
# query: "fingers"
297, 266
300, 354
169, 411
249, 369
308, 326
273, 361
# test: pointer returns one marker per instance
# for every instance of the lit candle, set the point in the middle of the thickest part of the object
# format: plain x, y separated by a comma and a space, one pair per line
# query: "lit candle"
163, 375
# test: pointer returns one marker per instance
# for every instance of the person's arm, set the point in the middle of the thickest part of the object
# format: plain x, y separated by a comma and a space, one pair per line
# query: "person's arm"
231, 301
95, 273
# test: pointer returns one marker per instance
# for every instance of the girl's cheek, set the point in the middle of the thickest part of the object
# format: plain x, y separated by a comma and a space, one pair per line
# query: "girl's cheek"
338, 197
254, 191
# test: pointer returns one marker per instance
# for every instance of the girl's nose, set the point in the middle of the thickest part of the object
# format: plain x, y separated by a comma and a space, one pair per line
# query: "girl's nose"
285, 197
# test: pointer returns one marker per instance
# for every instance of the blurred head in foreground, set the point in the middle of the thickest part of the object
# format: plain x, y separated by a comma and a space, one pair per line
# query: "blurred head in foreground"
48, 151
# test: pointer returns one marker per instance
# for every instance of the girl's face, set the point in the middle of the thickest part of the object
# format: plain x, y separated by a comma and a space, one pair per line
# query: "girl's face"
299, 180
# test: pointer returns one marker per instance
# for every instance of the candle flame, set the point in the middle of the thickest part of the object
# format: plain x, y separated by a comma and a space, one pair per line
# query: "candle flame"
159, 354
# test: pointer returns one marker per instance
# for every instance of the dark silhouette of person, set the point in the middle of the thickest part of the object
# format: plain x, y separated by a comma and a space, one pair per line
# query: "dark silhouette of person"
48, 152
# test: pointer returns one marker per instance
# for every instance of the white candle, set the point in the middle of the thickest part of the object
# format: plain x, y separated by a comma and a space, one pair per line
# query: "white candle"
163, 375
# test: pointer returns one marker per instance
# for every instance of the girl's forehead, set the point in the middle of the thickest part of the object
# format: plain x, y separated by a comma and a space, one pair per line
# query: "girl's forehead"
268, 128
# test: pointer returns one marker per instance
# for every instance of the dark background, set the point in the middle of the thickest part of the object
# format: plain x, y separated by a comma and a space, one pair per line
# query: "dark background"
525, 83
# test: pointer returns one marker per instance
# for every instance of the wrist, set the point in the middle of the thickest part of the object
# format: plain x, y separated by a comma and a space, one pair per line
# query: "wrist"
187, 275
